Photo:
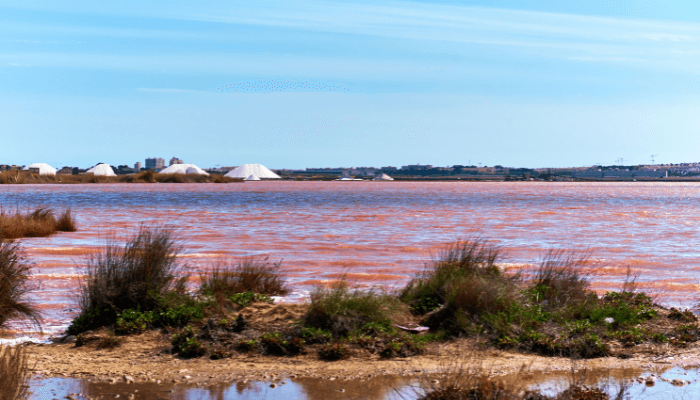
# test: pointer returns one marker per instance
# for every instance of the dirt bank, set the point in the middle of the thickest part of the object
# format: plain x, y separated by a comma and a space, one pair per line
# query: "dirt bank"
146, 358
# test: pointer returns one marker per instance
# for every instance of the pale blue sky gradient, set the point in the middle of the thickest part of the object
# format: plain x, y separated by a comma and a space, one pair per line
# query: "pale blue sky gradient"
334, 83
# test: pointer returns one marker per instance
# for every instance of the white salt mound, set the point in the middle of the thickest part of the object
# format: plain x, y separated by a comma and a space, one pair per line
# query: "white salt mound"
44, 169
383, 177
252, 178
183, 169
247, 170
101, 170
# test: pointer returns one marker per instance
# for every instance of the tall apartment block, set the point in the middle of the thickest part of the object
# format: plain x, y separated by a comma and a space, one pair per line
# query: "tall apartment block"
155, 163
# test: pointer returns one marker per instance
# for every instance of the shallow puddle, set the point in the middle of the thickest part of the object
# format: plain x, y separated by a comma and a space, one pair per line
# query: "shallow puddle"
377, 388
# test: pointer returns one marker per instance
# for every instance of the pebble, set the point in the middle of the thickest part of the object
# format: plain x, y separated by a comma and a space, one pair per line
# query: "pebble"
273, 385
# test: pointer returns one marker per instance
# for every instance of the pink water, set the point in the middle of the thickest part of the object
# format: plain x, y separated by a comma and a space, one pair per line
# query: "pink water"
376, 232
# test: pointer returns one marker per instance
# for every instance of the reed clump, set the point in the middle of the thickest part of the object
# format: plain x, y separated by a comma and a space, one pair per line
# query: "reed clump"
15, 270
14, 373
38, 223
141, 275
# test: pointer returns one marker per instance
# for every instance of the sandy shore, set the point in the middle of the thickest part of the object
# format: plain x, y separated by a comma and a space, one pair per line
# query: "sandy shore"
145, 358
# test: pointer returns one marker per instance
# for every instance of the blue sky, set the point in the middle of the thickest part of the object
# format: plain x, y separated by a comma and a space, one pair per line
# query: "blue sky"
300, 84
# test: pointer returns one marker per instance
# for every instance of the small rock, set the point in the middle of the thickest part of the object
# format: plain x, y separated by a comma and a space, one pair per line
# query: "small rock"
128, 379
273, 385
650, 380
678, 382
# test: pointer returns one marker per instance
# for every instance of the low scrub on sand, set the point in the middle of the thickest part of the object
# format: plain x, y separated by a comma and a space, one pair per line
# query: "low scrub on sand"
463, 293
142, 276
38, 223
343, 310
14, 286
14, 373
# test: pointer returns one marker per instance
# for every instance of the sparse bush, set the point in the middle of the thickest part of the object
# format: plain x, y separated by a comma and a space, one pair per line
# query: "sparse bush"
341, 310
186, 344
14, 286
401, 346
109, 342
140, 276
333, 351
219, 353
245, 346
14, 373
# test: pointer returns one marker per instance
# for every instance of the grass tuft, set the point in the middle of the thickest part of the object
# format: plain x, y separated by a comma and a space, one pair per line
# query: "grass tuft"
561, 278
14, 286
138, 276
252, 275
341, 310
14, 373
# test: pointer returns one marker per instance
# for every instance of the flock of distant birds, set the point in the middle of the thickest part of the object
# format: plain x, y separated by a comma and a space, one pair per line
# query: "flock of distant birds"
269, 86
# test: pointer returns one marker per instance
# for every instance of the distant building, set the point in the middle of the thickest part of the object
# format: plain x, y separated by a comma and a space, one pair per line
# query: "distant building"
155, 163
175, 160
416, 167
65, 171
137, 166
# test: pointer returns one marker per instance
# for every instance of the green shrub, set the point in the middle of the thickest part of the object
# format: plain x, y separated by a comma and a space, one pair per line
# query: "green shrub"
341, 310
315, 335
462, 259
186, 344
247, 298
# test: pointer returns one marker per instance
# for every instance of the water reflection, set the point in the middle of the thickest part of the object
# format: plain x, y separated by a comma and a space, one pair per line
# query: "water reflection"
377, 388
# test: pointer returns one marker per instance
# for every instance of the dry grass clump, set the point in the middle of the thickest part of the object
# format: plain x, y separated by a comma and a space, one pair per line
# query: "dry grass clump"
253, 274
14, 373
38, 223
561, 278
462, 284
14, 285
135, 276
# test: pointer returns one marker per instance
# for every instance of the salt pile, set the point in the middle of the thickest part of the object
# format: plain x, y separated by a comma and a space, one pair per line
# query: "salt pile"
383, 177
101, 169
246, 170
252, 178
184, 169
44, 169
